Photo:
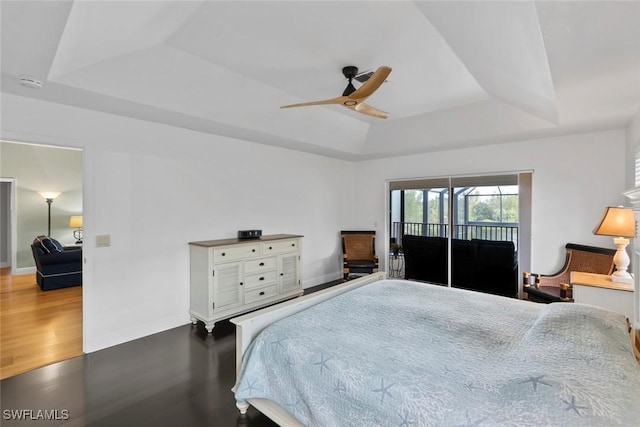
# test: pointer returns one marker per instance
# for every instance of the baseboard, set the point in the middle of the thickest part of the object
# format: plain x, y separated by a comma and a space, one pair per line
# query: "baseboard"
92, 344
315, 281
23, 270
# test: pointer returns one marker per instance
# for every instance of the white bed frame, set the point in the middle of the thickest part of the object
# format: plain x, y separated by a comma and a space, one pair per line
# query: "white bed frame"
250, 325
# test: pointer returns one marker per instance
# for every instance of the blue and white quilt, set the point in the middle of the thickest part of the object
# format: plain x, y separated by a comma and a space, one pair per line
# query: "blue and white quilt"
400, 353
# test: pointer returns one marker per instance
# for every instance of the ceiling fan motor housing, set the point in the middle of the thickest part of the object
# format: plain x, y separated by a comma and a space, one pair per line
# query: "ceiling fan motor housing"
350, 71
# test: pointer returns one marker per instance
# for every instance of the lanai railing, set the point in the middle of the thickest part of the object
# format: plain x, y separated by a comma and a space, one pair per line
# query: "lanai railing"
481, 230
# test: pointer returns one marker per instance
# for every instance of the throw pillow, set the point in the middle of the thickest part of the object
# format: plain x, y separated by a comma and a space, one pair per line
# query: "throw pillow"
47, 244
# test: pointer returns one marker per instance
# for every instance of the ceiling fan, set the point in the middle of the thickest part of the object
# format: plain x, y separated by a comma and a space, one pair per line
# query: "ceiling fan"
354, 98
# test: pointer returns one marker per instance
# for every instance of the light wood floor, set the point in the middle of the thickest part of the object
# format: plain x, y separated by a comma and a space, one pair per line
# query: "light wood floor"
37, 328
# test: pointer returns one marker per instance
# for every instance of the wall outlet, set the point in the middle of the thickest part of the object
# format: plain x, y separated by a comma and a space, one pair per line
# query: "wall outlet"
103, 240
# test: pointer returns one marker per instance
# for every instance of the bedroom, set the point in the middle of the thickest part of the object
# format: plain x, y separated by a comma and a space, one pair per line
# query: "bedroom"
154, 187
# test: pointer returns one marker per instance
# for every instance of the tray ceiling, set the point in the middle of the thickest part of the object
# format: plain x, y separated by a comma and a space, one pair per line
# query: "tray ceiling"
464, 73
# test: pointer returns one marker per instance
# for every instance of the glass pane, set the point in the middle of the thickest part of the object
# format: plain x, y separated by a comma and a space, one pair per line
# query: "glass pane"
413, 206
488, 212
438, 212
485, 213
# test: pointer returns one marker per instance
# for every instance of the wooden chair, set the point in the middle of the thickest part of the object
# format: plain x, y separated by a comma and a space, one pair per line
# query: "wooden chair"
556, 287
358, 252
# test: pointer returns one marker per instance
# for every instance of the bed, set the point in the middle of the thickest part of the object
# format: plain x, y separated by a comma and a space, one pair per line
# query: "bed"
381, 352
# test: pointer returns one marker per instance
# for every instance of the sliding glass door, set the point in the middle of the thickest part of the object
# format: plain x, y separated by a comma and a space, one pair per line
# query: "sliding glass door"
459, 210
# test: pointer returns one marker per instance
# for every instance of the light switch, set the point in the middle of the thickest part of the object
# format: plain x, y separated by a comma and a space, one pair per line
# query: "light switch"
103, 240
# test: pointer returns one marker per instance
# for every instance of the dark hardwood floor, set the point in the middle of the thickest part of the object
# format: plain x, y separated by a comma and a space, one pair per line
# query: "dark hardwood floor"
180, 377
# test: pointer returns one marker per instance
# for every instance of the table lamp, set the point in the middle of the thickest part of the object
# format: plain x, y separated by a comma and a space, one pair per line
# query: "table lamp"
620, 223
76, 222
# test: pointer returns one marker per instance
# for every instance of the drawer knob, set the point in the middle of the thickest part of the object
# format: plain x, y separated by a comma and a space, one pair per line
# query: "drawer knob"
262, 278
262, 293
240, 283
270, 247
253, 250
261, 264
293, 244
223, 254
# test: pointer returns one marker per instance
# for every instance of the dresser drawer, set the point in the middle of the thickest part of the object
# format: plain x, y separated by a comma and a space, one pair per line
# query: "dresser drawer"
233, 253
260, 264
258, 294
260, 279
280, 246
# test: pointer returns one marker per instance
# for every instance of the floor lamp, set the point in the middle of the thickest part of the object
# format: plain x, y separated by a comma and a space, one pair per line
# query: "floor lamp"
49, 196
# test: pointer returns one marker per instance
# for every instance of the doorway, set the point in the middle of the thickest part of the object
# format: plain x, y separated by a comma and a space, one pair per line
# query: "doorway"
7, 221
55, 334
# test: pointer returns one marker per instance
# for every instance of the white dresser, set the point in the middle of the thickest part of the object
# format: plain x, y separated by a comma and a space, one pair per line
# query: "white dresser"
233, 276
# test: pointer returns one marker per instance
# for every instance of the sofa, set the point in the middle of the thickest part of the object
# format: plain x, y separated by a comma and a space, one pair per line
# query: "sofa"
57, 266
479, 265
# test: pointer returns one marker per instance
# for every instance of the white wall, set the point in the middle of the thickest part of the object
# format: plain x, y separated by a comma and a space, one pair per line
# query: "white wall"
154, 188
574, 178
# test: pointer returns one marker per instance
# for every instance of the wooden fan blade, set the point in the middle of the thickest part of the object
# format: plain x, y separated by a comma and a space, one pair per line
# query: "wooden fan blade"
369, 110
338, 100
372, 84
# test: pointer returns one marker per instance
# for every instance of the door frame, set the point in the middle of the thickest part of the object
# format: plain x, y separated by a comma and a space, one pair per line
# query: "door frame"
12, 231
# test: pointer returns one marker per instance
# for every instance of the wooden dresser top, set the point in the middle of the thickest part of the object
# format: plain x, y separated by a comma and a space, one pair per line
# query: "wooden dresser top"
235, 241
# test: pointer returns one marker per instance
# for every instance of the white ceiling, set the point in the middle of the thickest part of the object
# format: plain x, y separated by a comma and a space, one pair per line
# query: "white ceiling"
464, 73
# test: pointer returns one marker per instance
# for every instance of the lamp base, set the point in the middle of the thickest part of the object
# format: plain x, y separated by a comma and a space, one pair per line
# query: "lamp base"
622, 279
621, 261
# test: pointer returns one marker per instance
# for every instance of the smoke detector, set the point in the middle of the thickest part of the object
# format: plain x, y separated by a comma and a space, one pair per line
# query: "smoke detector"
31, 82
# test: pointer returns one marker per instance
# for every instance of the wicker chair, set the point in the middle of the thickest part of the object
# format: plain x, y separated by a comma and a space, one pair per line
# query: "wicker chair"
358, 252
556, 287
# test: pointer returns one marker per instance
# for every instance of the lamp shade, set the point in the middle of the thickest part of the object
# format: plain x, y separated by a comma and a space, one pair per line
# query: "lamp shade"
75, 221
49, 194
617, 222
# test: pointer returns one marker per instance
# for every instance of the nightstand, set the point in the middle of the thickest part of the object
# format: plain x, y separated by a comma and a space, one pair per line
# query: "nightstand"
599, 290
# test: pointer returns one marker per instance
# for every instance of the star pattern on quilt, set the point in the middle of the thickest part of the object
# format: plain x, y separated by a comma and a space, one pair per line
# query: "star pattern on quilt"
383, 390
250, 386
406, 422
587, 359
288, 363
469, 385
322, 363
535, 381
339, 388
278, 342
573, 406
547, 331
